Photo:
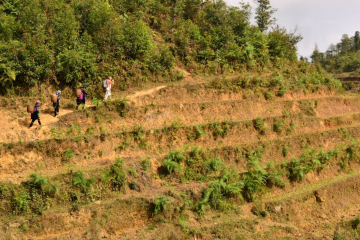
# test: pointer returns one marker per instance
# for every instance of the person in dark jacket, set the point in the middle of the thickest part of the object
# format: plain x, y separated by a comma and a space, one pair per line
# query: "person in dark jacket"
83, 90
36, 114
82, 98
57, 104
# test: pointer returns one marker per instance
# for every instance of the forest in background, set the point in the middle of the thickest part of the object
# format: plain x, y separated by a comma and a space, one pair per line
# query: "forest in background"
343, 56
73, 42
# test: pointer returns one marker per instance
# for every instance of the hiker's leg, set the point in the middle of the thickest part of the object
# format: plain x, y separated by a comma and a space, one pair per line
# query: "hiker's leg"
106, 95
32, 122
39, 121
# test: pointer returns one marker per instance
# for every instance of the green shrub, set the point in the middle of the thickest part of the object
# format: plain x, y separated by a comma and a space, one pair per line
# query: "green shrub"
20, 203
67, 154
175, 156
133, 185
170, 166
268, 95
160, 204
133, 172
278, 127
254, 179
259, 125
297, 172
215, 164
145, 164
216, 194
115, 175
37, 182
79, 180
285, 151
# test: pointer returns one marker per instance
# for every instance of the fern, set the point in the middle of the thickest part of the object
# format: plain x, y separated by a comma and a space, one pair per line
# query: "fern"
160, 204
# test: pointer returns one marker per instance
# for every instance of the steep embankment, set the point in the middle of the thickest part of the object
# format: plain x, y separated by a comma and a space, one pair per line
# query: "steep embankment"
272, 165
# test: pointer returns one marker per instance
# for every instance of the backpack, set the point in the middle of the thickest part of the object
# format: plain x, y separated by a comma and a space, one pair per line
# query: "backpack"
105, 84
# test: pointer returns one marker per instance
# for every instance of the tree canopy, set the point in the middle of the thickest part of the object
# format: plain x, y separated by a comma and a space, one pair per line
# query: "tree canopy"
72, 41
343, 56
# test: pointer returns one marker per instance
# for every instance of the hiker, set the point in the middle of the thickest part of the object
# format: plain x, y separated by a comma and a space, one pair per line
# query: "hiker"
107, 85
36, 114
57, 104
82, 98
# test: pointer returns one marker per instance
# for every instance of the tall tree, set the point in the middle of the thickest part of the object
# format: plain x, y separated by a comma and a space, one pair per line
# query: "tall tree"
264, 13
357, 40
317, 56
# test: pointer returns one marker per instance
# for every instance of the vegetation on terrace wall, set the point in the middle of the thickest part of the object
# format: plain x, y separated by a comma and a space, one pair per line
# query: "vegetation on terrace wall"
81, 41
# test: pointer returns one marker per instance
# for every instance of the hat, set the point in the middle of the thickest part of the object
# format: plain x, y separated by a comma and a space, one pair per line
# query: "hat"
37, 101
58, 92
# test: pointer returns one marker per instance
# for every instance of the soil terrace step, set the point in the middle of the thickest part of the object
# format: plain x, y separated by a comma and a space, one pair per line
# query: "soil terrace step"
27, 160
191, 113
204, 93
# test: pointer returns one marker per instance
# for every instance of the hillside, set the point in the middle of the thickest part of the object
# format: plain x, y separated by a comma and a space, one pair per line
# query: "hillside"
79, 42
182, 161
215, 130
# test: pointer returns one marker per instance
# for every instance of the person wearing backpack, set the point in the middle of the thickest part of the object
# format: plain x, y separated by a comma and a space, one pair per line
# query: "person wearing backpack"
36, 114
57, 104
83, 90
107, 86
82, 98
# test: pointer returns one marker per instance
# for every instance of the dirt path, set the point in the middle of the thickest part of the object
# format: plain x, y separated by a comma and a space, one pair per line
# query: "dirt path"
14, 127
144, 92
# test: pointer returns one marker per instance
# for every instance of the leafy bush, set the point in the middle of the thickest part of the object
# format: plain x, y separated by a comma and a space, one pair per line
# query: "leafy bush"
175, 156
215, 164
85, 184
297, 172
145, 164
115, 175
259, 125
216, 194
170, 166
160, 204
67, 154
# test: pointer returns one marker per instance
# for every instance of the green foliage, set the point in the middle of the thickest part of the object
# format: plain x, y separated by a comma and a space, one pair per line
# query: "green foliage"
221, 129
67, 154
160, 205
133, 185
285, 151
135, 41
169, 166
175, 156
216, 194
340, 57
80, 181
264, 14
259, 125
268, 95
215, 164
133, 172
20, 203
146, 164
278, 126
116, 175
254, 179
37, 182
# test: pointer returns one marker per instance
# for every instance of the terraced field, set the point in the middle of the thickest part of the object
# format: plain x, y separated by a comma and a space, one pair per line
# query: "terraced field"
186, 161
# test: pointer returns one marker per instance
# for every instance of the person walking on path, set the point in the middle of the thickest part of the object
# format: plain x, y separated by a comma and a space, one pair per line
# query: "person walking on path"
110, 82
57, 104
36, 114
82, 98
83, 90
